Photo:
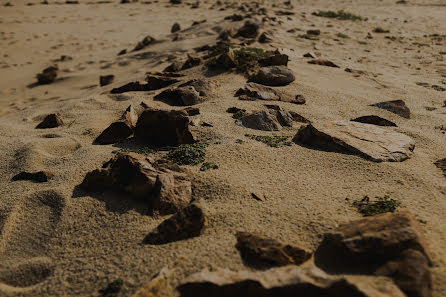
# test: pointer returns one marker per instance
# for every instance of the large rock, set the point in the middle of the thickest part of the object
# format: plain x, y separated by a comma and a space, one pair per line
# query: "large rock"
288, 281
119, 130
396, 106
368, 141
165, 186
187, 223
262, 120
276, 59
52, 120
162, 127
257, 250
273, 76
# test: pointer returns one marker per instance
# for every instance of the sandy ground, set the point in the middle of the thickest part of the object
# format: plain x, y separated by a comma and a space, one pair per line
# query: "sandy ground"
77, 243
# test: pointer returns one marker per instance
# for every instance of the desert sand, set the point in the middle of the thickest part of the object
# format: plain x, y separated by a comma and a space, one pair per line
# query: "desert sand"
58, 240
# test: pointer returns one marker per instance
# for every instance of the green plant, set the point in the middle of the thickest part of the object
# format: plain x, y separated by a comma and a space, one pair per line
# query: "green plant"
381, 205
239, 141
340, 15
71, 123
442, 53
380, 30
362, 42
208, 165
112, 289
342, 35
188, 154
239, 114
137, 150
272, 141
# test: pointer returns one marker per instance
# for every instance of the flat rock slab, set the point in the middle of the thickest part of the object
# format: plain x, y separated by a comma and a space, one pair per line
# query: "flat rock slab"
371, 142
374, 120
398, 107
273, 76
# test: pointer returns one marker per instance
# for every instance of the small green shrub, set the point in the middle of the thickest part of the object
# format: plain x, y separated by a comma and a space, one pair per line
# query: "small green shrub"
188, 154
381, 205
340, 15
112, 289
272, 141
208, 165
342, 35
239, 141
137, 150
239, 114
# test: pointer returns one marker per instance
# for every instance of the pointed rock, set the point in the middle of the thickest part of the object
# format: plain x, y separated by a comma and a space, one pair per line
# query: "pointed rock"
368, 141
187, 223
119, 130
50, 121
396, 106
181, 96
374, 120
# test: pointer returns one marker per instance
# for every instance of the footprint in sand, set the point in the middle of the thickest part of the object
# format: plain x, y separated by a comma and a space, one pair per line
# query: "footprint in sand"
25, 233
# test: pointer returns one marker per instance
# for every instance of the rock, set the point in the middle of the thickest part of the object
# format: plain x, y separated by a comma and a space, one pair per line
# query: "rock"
122, 52
120, 130
39, 176
187, 223
323, 62
227, 59
254, 91
316, 32
181, 96
156, 81
286, 282
235, 17
249, 30
106, 79
258, 196
284, 118
442, 165
154, 286
298, 118
374, 120
410, 272
273, 76
365, 245
205, 87
396, 106
162, 184
176, 1
192, 111
175, 28
310, 55
258, 250
174, 67
234, 110
50, 121
260, 121
368, 141
165, 128
148, 40
299, 99
265, 38
191, 62
131, 87
48, 75
275, 60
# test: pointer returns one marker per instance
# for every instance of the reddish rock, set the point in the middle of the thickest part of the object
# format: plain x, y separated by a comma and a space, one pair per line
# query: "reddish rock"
120, 130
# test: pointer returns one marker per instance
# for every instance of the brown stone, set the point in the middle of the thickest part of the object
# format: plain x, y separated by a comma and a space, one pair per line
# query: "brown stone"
298, 118
265, 38
374, 120
249, 30
260, 121
156, 81
227, 59
187, 223
181, 96
148, 40
192, 111
257, 250
323, 62
165, 186
39, 176
119, 130
48, 75
192, 61
274, 60
135, 86
161, 127
155, 285
205, 87
175, 28
106, 79
260, 92
50, 121
273, 76
396, 106
442, 165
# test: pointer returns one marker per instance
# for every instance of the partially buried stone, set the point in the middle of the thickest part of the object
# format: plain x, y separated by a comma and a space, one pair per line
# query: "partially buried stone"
249, 30
323, 62
40, 176
374, 120
50, 121
48, 75
396, 106
175, 28
119, 130
106, 79
273, 76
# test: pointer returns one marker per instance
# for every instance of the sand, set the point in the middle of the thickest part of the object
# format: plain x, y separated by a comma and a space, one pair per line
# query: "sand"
58, 241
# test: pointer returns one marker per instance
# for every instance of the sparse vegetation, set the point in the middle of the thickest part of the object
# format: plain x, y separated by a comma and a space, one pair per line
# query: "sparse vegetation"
239, 114
442, 53
362, 42
188, 154
112, 289
308, 36
381, 205
239, 141
342, 35
208, 165
380, 30
272, 141
340, 15
137, 150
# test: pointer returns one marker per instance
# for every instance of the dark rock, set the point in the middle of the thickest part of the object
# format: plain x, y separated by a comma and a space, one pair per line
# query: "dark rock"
175, 28
205, 87
323, 62
156, 81
131, 87
272, 106
227, 59
187, 223
174, 67
260, 121
40, 176
176, 1
122, 52
265, 38
181, 96
274, 60
50, 121
234, 110
298, 118
442, 165
258, 250
368, 141
48, 75
284, 118
252, 91
273, 76
310, 55
106, 79
192, 111
120, 130
396, 106
162, 184
235, 17
161, 127
314, 32
249, 30
148, 40
191, 62
374, 120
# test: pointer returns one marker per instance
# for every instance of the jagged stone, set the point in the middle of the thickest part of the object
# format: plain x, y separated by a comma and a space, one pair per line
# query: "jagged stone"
260, 92
374, 120
368, 141
260, 121
273, 76
159, 80
119, 130
48, 75
135, 86
396, 106
205, 87
50, 121
181, 96
274, 60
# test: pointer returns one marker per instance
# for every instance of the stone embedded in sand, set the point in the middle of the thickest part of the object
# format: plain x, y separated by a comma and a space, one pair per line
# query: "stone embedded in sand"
176, 1
164, 185
254, 91
442, 165
50, 121
106, 79
120, 130
262, 120
186, 223
323, 62
192, 61
314, 32
227, 59
192, 111
249, 30
396, 106
122, 52
174, 67
284, 118
175, 28
265, 38
48, 75
410, 272
155, 285
148, 40
181, 96
162, 127
368, 141
275, 60
205, 87
273, 76
39, 176
310, 55
131, 87
374, 120
259, 250
284, 281
156, 81
298, 118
